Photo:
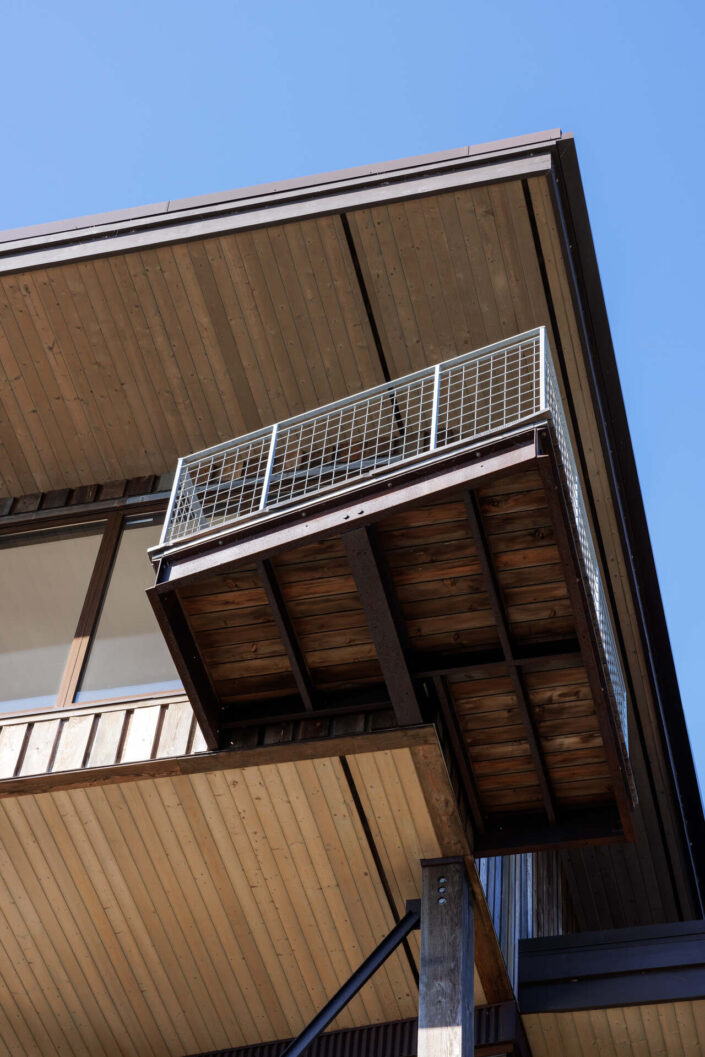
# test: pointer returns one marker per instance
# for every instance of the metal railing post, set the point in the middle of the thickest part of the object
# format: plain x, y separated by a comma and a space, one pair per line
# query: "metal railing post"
172, 500
434, 409
542, 368
270, 464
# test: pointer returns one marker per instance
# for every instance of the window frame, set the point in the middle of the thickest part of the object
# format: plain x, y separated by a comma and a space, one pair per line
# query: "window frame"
111, 518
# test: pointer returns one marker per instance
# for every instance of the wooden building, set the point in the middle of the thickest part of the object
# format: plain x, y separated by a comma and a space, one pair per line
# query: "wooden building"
383, 751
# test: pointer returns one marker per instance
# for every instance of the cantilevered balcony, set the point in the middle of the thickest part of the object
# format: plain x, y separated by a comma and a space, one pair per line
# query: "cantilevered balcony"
416, 553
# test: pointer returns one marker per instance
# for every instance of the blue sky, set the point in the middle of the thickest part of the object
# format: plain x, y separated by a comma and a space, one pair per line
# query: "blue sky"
111, 105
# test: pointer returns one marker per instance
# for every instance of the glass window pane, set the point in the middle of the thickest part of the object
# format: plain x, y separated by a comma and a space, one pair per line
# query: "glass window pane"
128, 654
43, 581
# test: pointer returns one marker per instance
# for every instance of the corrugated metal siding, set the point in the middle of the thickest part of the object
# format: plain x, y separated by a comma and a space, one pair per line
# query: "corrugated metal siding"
394, 1039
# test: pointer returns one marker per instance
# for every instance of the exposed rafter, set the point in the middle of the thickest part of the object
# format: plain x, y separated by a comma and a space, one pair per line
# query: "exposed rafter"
287, 632
497, 605
384, 622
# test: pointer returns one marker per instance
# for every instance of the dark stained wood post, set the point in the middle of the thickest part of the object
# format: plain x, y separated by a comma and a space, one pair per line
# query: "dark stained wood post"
447, 970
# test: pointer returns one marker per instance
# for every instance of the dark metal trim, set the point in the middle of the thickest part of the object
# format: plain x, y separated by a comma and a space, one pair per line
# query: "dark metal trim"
498, 1031
619, 967
364, 294
272, 204
628, 502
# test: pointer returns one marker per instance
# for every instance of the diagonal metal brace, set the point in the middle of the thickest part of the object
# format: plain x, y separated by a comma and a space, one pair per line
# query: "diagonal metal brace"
359, 978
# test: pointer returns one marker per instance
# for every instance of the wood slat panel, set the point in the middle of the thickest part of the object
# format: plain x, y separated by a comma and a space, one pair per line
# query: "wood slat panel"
172, 915
674, 1028
113, 368
40, 747
449, 273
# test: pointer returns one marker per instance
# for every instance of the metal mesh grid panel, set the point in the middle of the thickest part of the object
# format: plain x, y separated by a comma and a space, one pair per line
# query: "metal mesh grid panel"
344, 443
489, 391
587, 548
468, 397
222, 486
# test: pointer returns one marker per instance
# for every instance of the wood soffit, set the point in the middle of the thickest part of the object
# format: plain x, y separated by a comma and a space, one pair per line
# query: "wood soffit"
179, 326
163, 908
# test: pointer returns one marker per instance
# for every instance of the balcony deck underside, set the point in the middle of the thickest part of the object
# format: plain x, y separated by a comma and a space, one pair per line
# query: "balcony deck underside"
462, 605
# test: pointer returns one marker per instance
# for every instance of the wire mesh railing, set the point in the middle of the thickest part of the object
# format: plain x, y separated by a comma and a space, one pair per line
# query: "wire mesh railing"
554, 405
336, 446
459, 402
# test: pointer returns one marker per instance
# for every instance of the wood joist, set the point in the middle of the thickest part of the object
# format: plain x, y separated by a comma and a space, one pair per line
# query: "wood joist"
451, 594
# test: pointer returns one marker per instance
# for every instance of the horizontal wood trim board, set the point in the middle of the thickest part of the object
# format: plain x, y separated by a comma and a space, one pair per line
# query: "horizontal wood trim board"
205, 762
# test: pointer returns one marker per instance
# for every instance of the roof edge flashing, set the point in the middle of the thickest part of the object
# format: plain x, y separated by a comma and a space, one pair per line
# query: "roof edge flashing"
36, 236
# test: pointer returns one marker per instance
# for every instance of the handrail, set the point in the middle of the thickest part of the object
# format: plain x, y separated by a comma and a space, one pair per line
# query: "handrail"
458, 402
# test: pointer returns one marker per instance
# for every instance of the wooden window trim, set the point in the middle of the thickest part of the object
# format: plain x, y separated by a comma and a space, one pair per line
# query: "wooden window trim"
111, 520
90, 610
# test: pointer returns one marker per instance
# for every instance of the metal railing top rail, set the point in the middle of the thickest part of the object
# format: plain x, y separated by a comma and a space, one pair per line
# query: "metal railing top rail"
465, 397
353, 398
338, 446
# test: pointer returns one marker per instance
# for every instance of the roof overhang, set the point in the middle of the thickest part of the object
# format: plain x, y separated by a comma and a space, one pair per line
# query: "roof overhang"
207, 215
127, 340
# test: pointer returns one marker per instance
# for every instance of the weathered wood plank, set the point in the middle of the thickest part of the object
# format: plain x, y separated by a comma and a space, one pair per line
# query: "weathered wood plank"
12, 739
107, 739
40, 747
446, 976
73, 743
173, 740
141, 732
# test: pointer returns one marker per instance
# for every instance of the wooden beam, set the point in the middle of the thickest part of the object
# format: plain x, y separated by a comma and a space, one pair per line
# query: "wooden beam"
497, 605
446, 977
187, 660
489, 960
91, 610
460, 753
291, 750
287, 632
597, 824
385, 626
536, 657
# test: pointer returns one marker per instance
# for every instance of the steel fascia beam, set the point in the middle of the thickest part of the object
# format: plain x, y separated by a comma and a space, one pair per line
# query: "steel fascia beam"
619, 967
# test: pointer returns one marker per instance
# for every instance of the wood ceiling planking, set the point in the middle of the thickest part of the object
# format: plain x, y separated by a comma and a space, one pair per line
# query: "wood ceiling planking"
175, 915
449, 273
673, 1028
115, 367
